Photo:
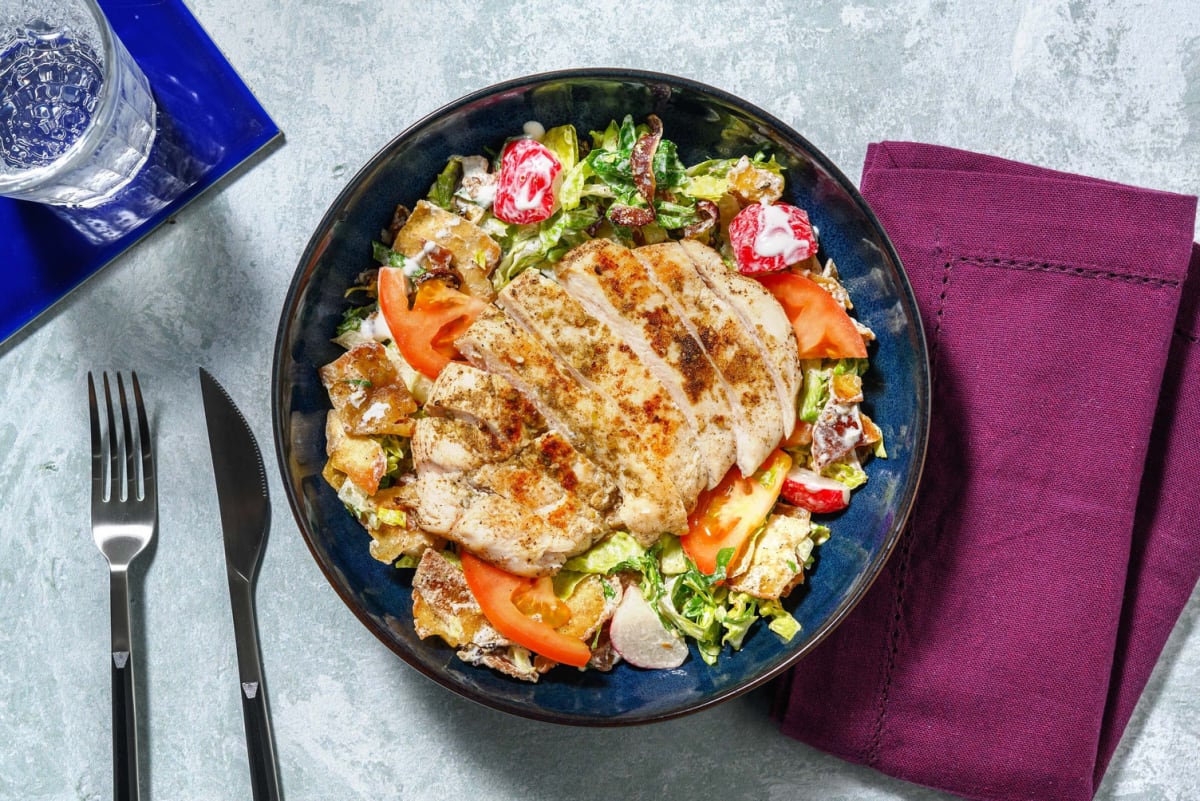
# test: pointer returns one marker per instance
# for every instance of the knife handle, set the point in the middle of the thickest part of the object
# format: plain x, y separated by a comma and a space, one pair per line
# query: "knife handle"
260, 746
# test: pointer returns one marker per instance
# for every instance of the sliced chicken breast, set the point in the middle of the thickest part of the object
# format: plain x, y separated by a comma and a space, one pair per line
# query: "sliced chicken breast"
763, 315
730, 345
531, 513
523, 500
610, 282
594, 424
600, 361
467, 393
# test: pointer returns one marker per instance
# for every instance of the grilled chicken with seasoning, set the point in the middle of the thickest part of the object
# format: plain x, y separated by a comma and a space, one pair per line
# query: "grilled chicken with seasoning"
502, 487
762, 315
601, 361
611, 283
589, 377
751, 391
649, 504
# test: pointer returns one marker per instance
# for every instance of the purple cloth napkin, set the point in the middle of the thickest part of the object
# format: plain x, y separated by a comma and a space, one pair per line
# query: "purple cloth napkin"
1055, 539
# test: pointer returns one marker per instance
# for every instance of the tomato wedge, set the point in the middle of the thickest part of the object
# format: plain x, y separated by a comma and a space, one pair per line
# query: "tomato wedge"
823, 329
525, 187
425, 333
727, 515
495, 589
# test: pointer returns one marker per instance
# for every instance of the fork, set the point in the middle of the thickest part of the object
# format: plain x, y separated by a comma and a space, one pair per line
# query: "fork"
124, 521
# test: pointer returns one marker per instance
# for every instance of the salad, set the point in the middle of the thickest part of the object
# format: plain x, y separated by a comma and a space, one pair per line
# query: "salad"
603, 404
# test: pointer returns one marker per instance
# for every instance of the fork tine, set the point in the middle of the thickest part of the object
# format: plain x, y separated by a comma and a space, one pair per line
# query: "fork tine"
131, 467
97, 455
148, 487
114, 463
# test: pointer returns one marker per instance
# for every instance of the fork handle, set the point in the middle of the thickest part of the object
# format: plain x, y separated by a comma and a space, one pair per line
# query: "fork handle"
124, 708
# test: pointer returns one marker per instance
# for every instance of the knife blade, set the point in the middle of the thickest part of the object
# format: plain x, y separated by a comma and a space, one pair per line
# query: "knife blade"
245, 521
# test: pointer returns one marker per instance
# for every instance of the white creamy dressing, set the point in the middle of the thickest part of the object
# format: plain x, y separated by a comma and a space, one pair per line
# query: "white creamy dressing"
376, 412
480, 186
851, 434
374, 327
416, 264
776, 237
534, 130
526, 197
485, 195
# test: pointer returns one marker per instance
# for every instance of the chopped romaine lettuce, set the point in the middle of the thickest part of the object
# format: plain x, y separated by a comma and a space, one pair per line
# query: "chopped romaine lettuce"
606, 555
671, 559
814, 394
852, 475
352, 318
563, 142
781, 620
565, 582
441, 193
851, 366
737, 616
399, 459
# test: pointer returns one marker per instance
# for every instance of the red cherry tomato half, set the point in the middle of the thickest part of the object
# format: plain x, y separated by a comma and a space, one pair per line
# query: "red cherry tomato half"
525, 188
767, 239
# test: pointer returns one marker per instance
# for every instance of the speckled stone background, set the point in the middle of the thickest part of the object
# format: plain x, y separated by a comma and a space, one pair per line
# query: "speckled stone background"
1108, 88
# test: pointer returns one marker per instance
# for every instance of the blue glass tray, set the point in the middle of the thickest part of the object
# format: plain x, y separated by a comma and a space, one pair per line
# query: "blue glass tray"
211, 114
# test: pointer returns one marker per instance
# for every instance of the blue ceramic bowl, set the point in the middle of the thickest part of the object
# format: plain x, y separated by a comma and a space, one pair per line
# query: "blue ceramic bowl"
704, 123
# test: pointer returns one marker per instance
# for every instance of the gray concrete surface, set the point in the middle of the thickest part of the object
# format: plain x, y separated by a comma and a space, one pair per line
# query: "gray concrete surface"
1108, 88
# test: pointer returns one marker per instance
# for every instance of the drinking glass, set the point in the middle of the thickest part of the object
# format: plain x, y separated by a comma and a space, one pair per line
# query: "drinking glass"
77, 117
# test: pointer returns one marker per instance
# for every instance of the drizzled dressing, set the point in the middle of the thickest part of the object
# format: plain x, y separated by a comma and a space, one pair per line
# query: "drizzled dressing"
776, 237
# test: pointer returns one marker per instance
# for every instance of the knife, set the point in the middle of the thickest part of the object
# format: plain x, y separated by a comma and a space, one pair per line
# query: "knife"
245, 519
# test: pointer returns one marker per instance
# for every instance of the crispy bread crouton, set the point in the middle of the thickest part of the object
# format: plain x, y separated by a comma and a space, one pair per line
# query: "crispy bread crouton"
469, 245
775, 564
368, 393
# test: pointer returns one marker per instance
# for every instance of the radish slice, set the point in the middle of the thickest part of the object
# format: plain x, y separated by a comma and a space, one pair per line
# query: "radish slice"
814, 492
640, 638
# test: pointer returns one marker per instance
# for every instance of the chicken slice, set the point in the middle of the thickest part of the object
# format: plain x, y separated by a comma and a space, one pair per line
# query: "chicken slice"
763, 315
487, 402
756, 417
600, 361
649, 504
526, 513
609, 281
531, 513
487, 479
475, 418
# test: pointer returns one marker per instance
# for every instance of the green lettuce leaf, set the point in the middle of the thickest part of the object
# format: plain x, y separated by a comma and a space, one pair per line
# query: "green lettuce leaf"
781, 620
442, 191
814, 394
852, 475
564, 143
605, 556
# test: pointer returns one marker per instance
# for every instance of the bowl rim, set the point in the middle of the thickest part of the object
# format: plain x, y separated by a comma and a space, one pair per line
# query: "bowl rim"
316, 246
